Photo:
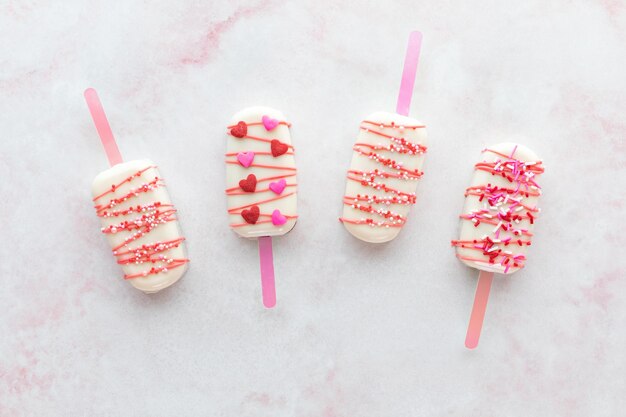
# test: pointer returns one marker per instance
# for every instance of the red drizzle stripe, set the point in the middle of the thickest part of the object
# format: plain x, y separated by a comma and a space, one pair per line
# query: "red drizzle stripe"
235, 210
260, 139
261, 124
264, 166
257, 153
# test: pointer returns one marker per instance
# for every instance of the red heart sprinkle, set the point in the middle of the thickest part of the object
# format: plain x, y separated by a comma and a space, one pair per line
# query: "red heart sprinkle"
251, 216
240, 130
249, 184
278, 148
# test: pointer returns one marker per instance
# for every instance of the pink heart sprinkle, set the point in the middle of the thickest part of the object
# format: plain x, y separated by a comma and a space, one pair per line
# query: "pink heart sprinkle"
278, 218
269, 123
245, 158
279, 186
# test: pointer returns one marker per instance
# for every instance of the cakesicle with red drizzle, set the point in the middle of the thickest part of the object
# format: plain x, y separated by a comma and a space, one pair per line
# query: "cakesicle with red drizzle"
261, 184
386, 164
498, 220
140, 223
261, 180
136, 213
382, 179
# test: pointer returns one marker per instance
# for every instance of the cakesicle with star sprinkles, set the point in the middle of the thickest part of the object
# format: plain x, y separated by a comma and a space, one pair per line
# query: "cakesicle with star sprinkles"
497, 221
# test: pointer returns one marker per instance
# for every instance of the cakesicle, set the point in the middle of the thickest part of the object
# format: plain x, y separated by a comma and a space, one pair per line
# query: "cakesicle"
136, 213
260, 174
140, 223
386, 164
497, 220
382, 179
500, 209
261, 184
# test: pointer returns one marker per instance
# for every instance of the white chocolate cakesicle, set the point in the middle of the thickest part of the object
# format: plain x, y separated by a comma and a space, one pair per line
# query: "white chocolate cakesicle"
140, 224
261, 185
387, 161
500, 209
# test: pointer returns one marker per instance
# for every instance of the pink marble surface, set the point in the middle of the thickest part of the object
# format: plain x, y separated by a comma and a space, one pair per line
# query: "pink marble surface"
359, 330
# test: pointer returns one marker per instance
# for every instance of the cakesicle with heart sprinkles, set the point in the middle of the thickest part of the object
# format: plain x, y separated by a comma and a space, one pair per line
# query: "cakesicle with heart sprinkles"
261, 184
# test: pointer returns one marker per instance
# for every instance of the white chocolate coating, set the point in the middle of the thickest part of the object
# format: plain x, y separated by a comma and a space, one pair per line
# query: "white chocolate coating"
509, 203
239, 200
403, 127
164, 232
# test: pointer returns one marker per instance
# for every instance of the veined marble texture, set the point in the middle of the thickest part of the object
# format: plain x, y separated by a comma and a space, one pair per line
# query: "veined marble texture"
359, 330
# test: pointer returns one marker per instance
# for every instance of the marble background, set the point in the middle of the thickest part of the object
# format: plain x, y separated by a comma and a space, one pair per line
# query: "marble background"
359, 330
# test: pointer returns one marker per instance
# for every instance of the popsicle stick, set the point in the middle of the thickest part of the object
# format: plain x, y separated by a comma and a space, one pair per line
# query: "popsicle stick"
268, 286
478, 310
102, 126
408, 74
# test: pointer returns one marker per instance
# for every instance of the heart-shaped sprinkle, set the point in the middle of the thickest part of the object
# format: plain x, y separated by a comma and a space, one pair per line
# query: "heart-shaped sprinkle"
240, 130
245, 158
249, 184
277, 218
252, 215
269, 123
278, 148
278, 186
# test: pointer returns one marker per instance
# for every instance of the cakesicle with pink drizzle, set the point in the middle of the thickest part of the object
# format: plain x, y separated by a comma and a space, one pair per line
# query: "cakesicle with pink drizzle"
498, 219
137, 214
386, 164
261, 184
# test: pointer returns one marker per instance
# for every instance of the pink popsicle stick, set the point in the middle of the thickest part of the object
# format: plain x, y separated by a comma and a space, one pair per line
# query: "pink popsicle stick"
102, 126
478, 310
408, 74
268, 286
